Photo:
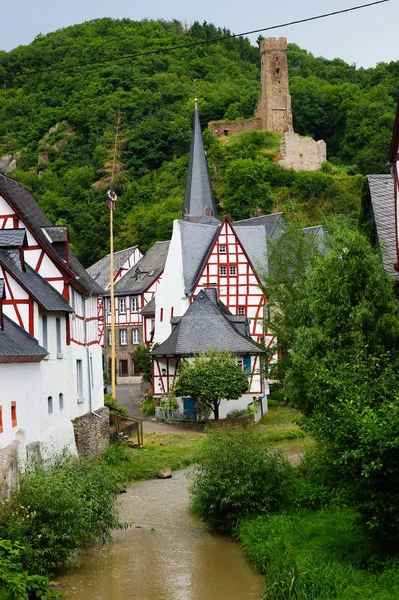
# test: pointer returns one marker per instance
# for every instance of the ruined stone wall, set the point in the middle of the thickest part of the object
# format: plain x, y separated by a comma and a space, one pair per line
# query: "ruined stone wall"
274, 105
227, 128
92, 433
302, 154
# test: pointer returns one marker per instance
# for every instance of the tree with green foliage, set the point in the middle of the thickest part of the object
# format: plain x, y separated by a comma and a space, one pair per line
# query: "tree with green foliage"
343, 373
142, 361
246, 193
211, 377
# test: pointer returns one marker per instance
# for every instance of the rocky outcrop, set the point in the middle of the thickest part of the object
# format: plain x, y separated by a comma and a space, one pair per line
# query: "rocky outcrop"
9, 162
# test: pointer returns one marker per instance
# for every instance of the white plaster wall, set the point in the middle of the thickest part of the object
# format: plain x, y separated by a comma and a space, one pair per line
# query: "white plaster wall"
20, 383
171, 289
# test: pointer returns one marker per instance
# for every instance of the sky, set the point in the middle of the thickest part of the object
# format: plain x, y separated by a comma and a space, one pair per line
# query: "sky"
363, 37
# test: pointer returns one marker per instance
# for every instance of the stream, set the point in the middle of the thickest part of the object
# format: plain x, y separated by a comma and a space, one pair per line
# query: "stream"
165, 555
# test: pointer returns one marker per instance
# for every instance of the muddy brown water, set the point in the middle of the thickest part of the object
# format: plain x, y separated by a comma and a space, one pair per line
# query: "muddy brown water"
165, 555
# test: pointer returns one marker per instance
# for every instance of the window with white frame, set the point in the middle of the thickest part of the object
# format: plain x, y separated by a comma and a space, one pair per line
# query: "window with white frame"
233, 270
241, 311
108, 306
109, 333
122, 305
79, 378
134, 303
50, 405
222, 249
135, 336
223, 271
123, 337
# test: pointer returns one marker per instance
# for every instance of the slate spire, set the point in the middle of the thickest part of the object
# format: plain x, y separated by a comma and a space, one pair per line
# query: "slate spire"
199, 203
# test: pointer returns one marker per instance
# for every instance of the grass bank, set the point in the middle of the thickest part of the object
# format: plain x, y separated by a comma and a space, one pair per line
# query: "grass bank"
317, 555
160, 451
280, 423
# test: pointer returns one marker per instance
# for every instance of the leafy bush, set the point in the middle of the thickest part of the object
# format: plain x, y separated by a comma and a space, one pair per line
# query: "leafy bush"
112, 404
234, 414
142, 361
60, 506
148, 404
238, 476
15, 582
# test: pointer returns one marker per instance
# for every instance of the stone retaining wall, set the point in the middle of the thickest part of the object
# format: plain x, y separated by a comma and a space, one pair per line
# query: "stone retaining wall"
92, 433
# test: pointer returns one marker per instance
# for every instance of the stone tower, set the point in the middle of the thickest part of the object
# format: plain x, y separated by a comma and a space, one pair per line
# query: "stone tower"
274, 106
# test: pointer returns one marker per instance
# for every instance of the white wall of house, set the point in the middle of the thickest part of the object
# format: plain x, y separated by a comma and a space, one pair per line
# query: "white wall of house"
170, 294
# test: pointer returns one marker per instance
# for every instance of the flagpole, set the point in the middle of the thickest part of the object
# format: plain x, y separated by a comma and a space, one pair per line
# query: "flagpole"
112, 206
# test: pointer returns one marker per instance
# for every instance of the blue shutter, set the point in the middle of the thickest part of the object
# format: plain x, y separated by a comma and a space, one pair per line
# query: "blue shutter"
247, 365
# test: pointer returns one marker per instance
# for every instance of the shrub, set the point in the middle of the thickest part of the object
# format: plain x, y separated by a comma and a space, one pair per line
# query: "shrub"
148, 404
112, 404
234, 414
60, 506
237, 477
15, 582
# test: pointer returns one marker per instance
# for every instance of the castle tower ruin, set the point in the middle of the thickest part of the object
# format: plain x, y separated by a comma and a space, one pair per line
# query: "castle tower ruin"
274, 105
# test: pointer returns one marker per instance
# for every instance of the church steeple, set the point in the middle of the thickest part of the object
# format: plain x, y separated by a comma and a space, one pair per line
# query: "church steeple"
199, 203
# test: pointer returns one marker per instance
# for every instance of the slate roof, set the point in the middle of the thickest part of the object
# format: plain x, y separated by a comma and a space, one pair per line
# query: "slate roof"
17, 346
35, 219
318, 234
2, 290
100, 270
273, 223
196, 240
383, 207
41, 290
57, 234
253, 239
205, 326
199, 194
149, 308
12, 238
145, 272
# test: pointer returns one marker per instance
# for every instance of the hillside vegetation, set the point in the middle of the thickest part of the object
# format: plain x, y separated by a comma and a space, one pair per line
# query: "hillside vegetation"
62, 123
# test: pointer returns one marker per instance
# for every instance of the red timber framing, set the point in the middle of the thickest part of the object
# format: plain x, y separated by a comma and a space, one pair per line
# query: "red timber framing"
162, 384
101, 320
394, 161
18, 303
229, 269
13, 220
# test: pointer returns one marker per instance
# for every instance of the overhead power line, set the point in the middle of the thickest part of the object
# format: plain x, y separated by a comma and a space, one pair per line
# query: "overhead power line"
192, 44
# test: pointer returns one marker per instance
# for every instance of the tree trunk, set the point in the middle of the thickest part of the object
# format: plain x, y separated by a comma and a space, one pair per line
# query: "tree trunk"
215, 409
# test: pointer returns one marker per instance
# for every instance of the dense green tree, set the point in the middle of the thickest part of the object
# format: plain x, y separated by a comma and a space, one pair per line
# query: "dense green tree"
212, 377
343, 372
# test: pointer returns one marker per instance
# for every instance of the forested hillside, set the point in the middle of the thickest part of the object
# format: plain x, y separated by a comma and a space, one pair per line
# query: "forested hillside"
61, 124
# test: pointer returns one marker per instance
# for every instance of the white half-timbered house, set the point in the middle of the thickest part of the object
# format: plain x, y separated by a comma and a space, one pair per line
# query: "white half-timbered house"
206, 324
49, 305
205, 253
134, 290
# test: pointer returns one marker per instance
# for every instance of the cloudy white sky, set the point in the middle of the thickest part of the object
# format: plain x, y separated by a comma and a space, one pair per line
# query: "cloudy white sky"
363, 37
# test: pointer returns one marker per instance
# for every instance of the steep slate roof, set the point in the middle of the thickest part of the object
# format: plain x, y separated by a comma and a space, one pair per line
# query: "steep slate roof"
199, 195
12, 238
149, 308
205, 326
253, 239
145, 272
273, 223
318, 234
41, 290
17, 346
35, 219
382, 201
100, 270
2, 290
57, 234
196, 240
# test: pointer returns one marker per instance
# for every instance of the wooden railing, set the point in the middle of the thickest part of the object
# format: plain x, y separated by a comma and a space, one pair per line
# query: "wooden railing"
121, 424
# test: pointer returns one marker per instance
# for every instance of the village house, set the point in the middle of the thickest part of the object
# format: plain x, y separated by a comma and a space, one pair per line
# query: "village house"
51, 381
136, 282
